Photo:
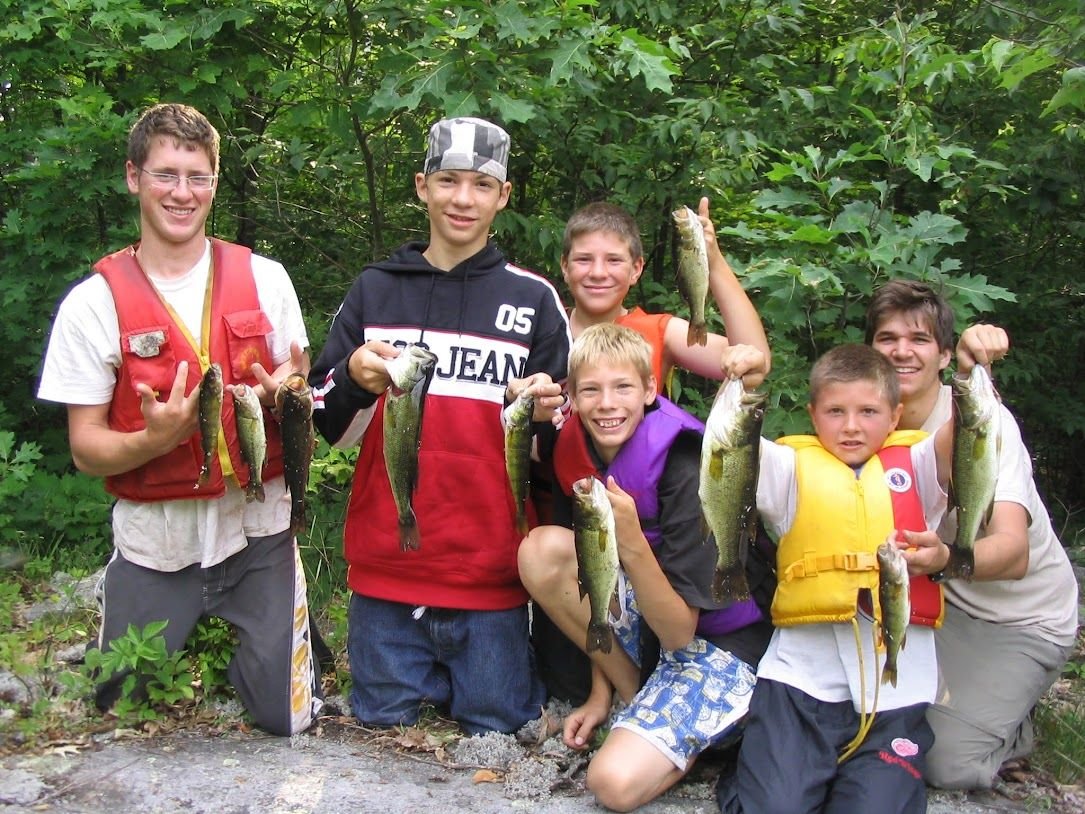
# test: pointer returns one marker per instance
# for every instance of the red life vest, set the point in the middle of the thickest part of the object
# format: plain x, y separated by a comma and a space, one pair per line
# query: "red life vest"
153, 343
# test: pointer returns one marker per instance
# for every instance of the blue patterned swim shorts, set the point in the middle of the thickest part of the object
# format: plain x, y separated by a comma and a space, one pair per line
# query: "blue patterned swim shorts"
695, 698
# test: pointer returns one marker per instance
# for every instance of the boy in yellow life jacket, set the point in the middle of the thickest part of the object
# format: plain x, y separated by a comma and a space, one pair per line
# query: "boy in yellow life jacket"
823, 732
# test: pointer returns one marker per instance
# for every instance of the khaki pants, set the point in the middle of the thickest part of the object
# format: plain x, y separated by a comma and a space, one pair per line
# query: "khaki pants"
990, 678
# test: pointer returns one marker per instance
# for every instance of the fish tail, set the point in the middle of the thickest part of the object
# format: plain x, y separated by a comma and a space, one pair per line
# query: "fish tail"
729, 585
599, 637
961, 564
297, 515
697, 334
408, 532
889, 673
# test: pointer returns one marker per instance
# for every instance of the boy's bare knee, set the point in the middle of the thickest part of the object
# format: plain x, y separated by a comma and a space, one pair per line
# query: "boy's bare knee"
614, 786
544, 558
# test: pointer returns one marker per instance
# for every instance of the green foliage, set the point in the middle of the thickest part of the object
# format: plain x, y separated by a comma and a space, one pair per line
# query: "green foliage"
210, 648
16, 468
1060, 730
154, 679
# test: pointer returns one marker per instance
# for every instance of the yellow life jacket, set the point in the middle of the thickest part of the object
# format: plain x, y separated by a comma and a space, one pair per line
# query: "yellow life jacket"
828, 555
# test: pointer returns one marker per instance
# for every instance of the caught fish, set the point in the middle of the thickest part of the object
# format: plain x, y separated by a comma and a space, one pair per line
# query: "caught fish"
249, 417
730, 457
210, 418
518, 453
596, 557
692, 272
411, 373
977, 438
896, 605
294, 404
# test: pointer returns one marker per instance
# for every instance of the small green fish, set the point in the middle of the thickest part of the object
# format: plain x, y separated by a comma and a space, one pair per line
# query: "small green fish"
730, 458
249, 418
896, 605
977, 439
596, 556
692, 272
411, 373
518, 453
294, 404
210, 419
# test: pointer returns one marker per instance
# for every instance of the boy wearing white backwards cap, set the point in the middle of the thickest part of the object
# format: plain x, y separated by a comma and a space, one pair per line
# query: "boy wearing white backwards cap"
446, 623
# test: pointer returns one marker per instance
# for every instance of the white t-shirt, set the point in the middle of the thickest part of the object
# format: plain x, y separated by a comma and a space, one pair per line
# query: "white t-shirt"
1045, 599
80, 368
823, 660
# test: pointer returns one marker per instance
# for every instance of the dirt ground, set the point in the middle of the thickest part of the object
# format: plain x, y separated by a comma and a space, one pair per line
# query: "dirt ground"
340, 767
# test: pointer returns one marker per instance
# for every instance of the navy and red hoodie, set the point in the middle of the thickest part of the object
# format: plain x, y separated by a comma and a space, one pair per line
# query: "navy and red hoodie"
488, 322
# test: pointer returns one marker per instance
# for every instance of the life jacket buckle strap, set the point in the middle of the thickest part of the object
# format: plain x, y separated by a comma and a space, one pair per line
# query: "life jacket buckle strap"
856, 561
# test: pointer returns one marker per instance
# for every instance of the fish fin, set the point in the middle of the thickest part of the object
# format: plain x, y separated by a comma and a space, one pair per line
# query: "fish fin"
521, 524
697, 334
889, 674
599, 637
729, 585
258, 493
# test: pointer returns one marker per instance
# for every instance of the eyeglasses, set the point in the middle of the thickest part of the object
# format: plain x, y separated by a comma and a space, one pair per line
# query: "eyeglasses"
168, 180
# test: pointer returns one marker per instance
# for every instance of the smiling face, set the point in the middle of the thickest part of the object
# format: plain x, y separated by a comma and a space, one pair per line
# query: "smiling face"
852, 419
171, 217
909, 342
599, 270
462, 205
610, 398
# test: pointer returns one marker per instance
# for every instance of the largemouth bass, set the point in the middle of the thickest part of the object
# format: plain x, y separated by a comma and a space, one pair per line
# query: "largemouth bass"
249, 417
210, 419
411, 373
896, 605
518, 453
977, 438
730, 457
692, 272
294, 403
596, 557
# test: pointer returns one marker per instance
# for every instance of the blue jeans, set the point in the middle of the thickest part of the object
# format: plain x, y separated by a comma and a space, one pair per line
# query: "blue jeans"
476, 664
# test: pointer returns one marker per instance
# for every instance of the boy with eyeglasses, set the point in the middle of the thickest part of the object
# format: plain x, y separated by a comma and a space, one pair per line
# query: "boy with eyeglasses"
127, 353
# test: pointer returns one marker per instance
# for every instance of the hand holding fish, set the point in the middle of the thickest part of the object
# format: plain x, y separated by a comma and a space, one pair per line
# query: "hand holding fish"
744, 362
627, 530
547, 393
368, 366
924, 552
171, 422
981, 345
268, 384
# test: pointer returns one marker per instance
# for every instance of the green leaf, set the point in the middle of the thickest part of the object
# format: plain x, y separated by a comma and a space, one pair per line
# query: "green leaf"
513, 110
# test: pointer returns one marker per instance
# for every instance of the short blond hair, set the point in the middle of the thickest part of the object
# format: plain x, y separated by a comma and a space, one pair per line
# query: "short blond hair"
611, 342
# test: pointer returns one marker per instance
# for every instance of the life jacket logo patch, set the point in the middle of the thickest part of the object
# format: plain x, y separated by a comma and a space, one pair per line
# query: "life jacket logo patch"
898, 480
904, 747
147, 344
